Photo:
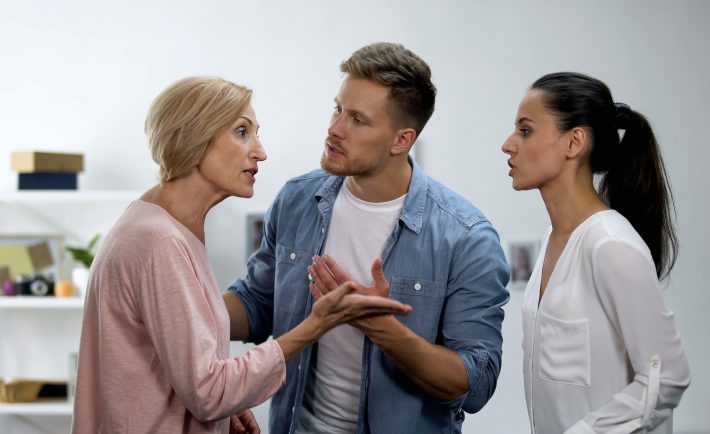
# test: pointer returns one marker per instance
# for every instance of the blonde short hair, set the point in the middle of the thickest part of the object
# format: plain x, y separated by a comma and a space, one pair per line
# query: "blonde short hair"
412, 95
185, 118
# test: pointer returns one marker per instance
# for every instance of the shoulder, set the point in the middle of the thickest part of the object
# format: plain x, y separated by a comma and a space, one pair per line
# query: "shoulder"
306, 184
610, 231
314, 177
141, 229
447, 202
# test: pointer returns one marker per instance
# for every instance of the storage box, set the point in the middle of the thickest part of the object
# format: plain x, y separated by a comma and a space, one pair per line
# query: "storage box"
29, 390
33, 161
46, 181
19, 390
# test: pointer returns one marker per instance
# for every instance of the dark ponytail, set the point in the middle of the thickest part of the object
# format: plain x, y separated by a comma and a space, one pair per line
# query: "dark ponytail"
634, 180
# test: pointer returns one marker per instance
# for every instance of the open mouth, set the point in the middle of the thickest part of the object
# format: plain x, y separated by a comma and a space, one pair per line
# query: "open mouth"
333, 150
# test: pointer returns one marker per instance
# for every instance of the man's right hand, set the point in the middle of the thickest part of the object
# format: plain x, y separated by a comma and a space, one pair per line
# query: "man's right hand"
326, 275
339, 306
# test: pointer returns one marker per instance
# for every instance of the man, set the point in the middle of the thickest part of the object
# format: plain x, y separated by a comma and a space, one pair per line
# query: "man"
414, 374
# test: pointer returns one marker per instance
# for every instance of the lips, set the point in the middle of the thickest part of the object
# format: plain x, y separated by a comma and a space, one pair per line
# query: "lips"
251, 172
332, 146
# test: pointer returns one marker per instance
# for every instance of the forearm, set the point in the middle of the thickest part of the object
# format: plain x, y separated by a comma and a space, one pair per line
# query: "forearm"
300, 337
632, 408
436, 369
238, 320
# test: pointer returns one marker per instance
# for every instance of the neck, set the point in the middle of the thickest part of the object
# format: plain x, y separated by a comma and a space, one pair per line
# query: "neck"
383, 186
186, 201
570, 203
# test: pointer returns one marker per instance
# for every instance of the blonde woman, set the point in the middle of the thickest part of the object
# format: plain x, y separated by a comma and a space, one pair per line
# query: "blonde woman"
154, 354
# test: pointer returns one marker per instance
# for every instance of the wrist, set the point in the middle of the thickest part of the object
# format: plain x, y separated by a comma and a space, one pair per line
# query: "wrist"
378, 327
300, 337
312, 328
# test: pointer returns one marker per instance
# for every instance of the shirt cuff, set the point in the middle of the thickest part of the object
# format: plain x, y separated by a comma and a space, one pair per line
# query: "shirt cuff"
580, 427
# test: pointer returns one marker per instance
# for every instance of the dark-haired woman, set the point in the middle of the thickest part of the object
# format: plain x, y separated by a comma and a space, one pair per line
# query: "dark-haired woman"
601, 351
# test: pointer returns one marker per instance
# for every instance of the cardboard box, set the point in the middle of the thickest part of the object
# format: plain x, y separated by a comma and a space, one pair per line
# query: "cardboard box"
33, 161
46, 181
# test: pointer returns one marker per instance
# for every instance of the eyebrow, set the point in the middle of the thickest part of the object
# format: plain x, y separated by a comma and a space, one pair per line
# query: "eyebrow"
249, 120
524, 119
354, 111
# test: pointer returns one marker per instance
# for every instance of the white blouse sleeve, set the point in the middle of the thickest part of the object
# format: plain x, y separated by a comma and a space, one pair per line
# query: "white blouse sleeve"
629, 291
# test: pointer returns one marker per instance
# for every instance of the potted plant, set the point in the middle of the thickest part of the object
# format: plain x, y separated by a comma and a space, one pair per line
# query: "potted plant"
83, 256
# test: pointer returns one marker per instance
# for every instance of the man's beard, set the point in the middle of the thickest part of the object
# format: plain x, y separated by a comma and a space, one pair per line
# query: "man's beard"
356, 168
350, 167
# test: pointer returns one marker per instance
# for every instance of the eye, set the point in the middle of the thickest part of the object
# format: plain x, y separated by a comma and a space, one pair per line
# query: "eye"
524, 132
337, 110
240, 131
357, 120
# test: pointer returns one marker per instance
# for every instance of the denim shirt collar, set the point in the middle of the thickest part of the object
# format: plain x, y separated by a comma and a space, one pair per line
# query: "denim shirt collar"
413, 211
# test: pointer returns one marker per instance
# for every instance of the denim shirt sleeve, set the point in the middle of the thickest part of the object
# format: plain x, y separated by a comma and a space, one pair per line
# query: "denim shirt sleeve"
473, 313
256, 290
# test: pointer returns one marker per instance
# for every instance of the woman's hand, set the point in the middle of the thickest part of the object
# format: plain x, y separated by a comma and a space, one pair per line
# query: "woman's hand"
244, 423
326, 273
338, 306
345, 303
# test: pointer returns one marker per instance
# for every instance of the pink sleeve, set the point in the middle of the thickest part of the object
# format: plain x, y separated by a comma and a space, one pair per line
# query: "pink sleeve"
184, 331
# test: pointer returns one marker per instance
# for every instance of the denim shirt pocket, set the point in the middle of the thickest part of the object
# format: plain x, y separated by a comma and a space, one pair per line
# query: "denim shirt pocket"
426, 298
291, 278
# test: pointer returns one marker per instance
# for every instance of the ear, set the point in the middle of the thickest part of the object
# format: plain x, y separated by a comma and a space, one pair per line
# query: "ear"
403, 141
577, 143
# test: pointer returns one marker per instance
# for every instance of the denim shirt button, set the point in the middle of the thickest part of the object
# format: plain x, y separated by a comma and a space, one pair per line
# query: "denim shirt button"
292, 256
417, 286
460, 416
322, 230
310, 277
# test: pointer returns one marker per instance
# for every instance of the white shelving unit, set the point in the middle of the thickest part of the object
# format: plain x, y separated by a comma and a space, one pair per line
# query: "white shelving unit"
53, 196
26, 307
39, 408
28, 302
38, 334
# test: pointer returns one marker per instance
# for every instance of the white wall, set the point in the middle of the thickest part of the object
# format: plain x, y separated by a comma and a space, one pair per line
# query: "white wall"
79, 75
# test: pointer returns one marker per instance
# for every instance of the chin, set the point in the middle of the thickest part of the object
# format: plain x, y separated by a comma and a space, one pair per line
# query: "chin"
522, 187
331, 168
246, 194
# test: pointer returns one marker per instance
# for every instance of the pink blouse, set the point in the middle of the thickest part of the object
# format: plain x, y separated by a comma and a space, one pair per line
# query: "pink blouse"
154, 354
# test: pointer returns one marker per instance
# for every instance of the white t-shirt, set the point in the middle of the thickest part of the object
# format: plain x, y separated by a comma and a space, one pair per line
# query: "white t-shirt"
601, 352
357, 236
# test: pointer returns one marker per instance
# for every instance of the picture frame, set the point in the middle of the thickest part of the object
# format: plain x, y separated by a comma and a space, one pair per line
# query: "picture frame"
30, 254
254, 232
522, 256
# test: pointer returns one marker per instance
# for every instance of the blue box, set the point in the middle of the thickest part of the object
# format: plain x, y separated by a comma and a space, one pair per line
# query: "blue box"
47, 181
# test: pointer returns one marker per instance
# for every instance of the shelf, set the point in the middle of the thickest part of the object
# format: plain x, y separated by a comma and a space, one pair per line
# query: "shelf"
69, 195
42, 407
20, 302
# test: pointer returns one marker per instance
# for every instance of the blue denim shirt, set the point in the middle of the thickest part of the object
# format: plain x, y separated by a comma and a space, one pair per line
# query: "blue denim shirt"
443, 258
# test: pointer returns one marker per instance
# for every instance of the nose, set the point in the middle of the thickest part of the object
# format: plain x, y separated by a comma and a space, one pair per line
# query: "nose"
258, 153
508, 146
336, 128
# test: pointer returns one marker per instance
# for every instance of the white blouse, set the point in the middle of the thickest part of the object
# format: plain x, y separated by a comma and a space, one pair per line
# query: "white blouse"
601, 352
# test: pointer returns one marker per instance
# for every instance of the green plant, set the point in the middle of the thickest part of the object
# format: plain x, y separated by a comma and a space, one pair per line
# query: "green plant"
85, 255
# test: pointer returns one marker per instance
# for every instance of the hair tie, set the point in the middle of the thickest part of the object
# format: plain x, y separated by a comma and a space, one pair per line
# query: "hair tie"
622, 115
